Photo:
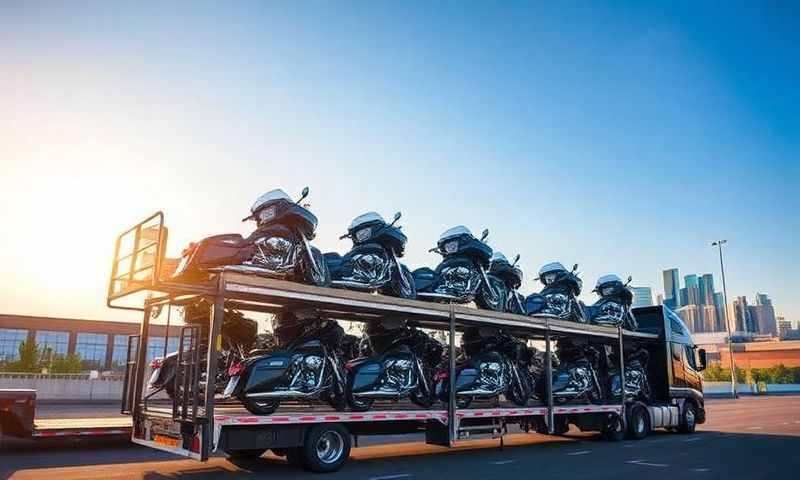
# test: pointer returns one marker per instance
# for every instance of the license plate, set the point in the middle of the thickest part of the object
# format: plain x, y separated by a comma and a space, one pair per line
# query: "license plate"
168, 441
231, 387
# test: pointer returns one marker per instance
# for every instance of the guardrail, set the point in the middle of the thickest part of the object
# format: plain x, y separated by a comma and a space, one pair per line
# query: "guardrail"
61, 376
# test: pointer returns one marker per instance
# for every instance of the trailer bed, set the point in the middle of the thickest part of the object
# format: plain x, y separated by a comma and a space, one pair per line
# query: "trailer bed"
80, 427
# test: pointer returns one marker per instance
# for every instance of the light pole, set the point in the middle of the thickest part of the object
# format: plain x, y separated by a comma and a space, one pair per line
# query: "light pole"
719, 244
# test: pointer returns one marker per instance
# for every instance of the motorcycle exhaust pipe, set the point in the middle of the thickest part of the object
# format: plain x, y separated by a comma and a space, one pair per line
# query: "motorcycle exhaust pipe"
379, 394
283, 394
477, 393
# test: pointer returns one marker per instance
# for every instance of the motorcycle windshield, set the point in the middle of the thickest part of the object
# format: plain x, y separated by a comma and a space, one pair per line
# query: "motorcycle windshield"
361, 220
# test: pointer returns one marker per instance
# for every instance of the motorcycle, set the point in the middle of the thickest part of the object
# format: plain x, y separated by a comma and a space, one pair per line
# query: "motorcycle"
511, 275
372, 264
559, 297
306, 366
495, 364
402, 366
462, 277
278, 248
238, 334
575, 379
614, 306
637, 386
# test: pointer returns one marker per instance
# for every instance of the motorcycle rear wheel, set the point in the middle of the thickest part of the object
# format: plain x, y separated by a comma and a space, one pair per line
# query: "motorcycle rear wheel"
493, 296
261, 406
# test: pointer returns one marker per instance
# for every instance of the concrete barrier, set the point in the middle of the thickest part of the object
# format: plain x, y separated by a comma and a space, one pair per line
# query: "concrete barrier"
68, 389
724, 388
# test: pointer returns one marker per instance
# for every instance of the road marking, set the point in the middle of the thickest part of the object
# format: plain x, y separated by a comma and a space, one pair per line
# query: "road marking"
581, 452
647, 464
700, 469
693, 439
755, 428
392, 477
502, 462
785, 423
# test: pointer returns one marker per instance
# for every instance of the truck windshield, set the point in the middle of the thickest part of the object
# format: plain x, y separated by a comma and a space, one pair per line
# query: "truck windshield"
650, 320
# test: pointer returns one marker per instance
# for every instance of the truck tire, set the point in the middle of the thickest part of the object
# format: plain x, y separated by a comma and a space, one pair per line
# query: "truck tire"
638, 422
249, 454
613, 430
688, 417
326, 448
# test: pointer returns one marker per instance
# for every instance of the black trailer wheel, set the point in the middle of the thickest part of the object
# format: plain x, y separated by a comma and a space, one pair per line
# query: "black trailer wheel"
688, 418
326, 448
638, 421
613, 430
249, 454
261, 406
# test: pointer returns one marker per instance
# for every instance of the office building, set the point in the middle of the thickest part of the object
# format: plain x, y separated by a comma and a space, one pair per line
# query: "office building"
722, 314
642, 296
706, 289
691, 317
672, 288
784, 327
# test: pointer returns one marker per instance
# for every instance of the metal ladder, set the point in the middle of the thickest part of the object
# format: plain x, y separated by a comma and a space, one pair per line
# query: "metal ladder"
186, 404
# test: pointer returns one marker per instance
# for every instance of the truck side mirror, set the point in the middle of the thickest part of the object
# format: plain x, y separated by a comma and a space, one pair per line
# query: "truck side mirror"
702, 354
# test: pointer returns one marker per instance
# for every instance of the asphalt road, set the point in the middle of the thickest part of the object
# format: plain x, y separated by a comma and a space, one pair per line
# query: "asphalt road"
754, 437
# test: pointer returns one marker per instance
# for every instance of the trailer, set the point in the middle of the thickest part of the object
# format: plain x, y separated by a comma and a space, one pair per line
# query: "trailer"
18, 420
199, 422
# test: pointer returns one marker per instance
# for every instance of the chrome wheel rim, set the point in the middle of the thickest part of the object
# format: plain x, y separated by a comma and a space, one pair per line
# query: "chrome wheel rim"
330, 447
690, 417
640, 424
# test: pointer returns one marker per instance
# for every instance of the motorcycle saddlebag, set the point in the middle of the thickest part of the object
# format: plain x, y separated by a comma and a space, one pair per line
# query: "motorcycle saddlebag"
219, 250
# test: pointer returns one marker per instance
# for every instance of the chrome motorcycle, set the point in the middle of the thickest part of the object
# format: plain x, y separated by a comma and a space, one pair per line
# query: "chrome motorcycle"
402, 365
576, 378
637, 385
495, 363
614, 306
463, 275
307, 366
279, 247
373, 263
511, 275
559, 297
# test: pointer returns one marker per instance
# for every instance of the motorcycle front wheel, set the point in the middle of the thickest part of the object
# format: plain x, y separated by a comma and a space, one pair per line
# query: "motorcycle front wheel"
518, 394
492, 296
359, 404
402, 284
314, 270
261, 406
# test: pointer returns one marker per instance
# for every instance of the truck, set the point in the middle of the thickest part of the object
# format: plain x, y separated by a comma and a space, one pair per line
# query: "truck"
199, 421
18, 420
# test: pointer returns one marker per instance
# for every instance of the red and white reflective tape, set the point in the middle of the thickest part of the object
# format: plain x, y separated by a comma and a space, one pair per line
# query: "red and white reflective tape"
500, 412
588, 409
439, 415
80, 433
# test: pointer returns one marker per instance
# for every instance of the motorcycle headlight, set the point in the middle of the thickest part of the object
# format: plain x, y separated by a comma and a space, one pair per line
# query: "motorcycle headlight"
267, 214
549, 278
363, 234
607, 291
451, 247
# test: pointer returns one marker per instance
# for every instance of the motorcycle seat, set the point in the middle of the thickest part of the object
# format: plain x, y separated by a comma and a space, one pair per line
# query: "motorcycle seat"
333, 260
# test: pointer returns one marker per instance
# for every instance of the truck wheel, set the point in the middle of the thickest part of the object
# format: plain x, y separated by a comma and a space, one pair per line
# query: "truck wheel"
638, 422
326, 448
249, 454
613, 430
688, 418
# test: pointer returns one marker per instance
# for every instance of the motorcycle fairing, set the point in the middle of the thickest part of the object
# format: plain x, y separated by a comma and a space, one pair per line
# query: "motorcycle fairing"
290, 214
465, 245
380, 232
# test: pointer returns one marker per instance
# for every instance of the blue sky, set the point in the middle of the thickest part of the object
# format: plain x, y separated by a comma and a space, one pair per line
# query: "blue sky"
620, 136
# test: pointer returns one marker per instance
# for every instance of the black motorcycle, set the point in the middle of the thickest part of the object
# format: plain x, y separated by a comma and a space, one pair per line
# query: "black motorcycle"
278, 248
576, 378
637, 385
402, 365
373, 264
307, 366
495, 364
559, 297
511, 275
614, 306
463, 275
238, 335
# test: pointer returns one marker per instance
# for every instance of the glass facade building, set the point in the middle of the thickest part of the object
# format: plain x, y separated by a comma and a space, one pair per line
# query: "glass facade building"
92, 348
10, 340
56, 342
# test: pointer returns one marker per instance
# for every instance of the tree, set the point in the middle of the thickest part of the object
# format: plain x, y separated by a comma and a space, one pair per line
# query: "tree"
67, 364
29, 359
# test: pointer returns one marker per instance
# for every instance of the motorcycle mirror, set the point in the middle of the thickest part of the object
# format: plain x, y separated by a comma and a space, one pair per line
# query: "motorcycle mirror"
630, 279
516, 259
484, 234
575, 267
434, 249
344, 236
397, 216
303, 195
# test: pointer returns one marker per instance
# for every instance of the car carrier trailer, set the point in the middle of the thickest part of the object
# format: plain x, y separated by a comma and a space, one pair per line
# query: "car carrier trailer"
198, 422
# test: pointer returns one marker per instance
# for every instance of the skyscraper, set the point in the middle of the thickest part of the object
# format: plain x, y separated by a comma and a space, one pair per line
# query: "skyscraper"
642, 296
706, 289
691, 317
690, 280
763, 314
672, 288
719, 304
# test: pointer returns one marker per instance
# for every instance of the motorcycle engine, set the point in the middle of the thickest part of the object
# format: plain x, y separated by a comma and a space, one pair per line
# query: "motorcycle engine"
557, 304
370, 268
491, 375
276, 254
306, 372
398, 373
611, 313
459, 281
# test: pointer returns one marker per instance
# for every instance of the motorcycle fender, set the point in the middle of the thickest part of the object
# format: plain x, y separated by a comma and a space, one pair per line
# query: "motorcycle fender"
466, 379
560, 381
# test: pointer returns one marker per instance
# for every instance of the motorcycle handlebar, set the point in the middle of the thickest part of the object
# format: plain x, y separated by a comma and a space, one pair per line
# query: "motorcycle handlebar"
346, 235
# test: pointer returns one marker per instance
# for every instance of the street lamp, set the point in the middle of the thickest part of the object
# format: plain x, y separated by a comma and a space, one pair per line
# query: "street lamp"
719, 244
